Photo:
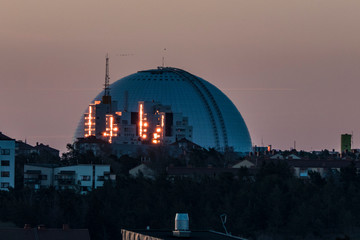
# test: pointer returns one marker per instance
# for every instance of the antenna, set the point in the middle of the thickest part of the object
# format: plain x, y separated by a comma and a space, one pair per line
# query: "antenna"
163, 58
223, 218
107, 77
106, 99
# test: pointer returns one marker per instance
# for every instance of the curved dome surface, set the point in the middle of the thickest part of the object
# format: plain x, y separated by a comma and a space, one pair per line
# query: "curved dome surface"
216, 121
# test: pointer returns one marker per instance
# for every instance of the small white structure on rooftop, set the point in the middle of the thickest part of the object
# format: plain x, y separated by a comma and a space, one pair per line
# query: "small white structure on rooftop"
181, 225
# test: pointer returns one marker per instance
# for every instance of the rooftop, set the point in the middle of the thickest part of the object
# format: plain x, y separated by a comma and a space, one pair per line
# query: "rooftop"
4, 137
167, 234
43, 234
24, 146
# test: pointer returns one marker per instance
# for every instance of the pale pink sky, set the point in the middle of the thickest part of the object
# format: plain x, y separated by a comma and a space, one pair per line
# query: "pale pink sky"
291, 67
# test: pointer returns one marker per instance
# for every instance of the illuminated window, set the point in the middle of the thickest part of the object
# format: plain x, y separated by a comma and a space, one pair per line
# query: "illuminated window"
304, 172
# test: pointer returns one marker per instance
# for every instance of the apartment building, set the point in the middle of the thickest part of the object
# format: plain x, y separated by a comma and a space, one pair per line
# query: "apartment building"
7, 162
82, 178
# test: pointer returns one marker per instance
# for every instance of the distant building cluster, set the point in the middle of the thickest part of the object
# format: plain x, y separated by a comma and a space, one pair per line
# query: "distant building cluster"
324, 163
10, 149
153, 123
161, 106
164, 109
303, 164
79, 177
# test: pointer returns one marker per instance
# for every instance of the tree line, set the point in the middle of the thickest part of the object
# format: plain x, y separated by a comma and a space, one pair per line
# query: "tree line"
272, 204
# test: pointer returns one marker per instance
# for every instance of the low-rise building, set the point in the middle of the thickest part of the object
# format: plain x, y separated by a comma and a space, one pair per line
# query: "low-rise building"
91, 144
301, 167
82, 177
46, 150
22, 148
38, 176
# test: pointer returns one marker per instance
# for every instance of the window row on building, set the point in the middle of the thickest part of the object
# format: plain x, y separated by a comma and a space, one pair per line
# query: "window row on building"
81, 178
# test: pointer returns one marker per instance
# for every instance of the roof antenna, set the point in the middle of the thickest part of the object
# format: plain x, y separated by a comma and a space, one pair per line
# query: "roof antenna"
223, 218
163, 58
106, 99
107, 77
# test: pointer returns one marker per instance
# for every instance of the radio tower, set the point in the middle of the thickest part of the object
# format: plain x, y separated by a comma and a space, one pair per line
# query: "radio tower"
106, 99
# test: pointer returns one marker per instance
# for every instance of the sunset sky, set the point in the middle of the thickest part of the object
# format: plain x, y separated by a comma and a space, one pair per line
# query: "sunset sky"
292, 68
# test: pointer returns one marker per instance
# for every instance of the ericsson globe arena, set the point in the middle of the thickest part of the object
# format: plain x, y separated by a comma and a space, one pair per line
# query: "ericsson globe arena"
216, 122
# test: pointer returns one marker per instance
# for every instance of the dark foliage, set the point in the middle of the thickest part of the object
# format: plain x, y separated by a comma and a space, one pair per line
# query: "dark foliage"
272, 204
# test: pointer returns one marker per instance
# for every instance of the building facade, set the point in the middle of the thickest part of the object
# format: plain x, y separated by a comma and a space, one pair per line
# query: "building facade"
346, 142
7, 162
82, 178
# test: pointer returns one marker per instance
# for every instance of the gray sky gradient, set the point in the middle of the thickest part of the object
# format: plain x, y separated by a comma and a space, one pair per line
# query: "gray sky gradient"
291, 67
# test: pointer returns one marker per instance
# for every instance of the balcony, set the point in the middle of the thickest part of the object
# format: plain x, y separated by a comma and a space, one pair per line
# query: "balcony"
66, 178
31, 180
66, 181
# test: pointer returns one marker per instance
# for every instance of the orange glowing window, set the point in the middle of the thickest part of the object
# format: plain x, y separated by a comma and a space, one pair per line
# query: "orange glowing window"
144, 136
158, 130
141, 119
154, 141
146, 124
